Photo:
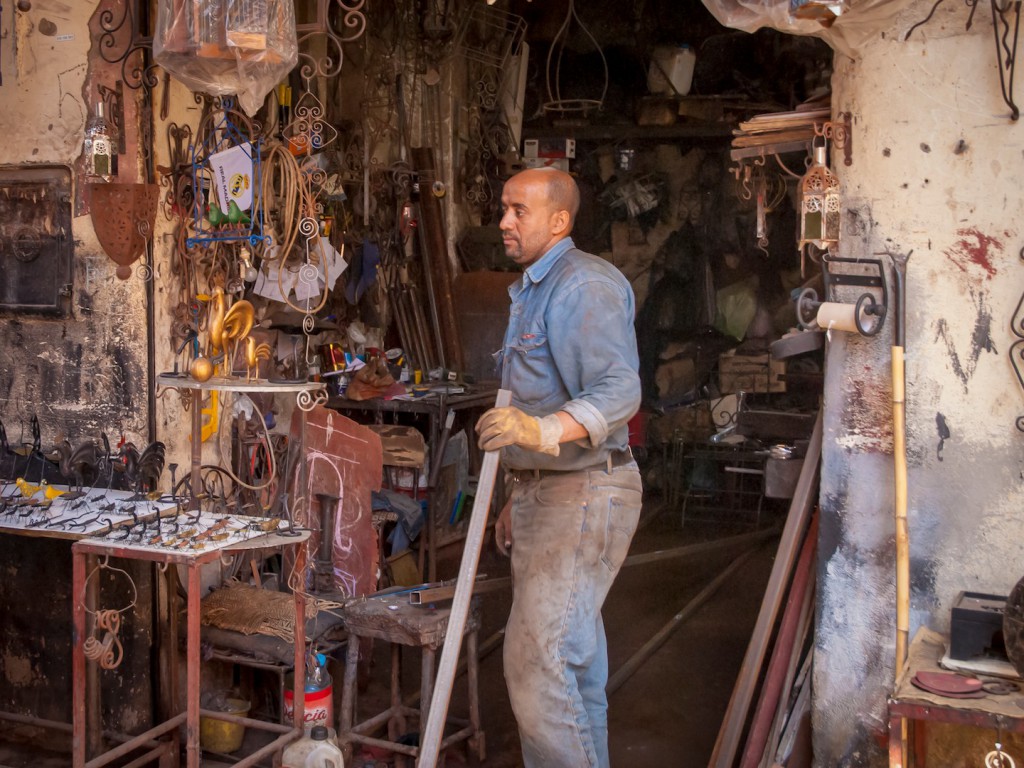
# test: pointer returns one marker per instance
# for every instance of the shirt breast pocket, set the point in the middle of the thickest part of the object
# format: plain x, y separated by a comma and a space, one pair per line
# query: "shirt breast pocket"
532, 368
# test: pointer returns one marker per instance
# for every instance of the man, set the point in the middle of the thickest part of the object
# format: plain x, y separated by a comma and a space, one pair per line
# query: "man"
570, 359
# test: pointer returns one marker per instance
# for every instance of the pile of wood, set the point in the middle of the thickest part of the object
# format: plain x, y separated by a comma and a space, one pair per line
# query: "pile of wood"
767, 723
771, 130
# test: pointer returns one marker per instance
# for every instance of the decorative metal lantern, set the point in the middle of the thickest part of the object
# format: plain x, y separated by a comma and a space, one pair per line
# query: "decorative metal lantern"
820, 205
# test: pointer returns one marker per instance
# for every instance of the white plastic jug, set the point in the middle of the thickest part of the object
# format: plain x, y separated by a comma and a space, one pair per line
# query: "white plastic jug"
671, 70
314, 750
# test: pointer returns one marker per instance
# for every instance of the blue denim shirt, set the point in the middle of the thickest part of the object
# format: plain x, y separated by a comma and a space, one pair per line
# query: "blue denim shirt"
571, 346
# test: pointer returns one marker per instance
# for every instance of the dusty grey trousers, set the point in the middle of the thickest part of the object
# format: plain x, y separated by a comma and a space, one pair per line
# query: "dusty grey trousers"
571, 533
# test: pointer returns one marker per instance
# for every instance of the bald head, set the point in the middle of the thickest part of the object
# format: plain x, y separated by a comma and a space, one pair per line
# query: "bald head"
559, 188
539, 207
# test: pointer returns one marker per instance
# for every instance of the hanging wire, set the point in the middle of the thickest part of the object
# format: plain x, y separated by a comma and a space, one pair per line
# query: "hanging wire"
555, 102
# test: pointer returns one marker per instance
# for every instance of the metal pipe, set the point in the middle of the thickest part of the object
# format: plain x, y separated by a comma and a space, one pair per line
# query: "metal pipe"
623, 673
435, 249
436, 715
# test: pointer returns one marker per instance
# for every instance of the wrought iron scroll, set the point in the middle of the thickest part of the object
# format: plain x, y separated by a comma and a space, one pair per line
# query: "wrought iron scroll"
1017, 348
339, 22
1005, 18
121, 37
839, 134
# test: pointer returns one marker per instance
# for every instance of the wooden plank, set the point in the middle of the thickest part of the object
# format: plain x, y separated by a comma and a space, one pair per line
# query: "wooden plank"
806, 492
430, 738
773, 692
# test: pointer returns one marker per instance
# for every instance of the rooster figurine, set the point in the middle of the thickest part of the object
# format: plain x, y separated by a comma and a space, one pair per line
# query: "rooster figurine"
253, 354
228, 326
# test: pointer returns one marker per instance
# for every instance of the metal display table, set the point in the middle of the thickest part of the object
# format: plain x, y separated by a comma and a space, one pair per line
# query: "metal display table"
83, 690
915, 707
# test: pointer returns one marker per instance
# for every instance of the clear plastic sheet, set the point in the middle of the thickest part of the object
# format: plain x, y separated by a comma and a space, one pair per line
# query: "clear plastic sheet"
227, 47
859, 20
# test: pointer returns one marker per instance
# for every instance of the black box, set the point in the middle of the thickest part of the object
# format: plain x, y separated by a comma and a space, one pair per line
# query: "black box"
976, 626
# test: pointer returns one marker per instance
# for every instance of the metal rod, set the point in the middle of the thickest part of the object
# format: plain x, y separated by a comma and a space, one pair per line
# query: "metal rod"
430, 741
634, 662
139, 741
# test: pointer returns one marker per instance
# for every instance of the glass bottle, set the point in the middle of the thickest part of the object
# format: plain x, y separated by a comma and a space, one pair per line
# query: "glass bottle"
99, 146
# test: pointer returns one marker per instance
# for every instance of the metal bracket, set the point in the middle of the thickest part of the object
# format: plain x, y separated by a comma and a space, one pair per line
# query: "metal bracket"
113, 102
839, 134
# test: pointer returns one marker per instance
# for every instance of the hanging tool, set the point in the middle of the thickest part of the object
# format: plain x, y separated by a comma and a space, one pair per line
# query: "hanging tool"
899, 448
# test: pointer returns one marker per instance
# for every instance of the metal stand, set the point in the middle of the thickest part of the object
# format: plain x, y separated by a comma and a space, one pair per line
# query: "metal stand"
83, 689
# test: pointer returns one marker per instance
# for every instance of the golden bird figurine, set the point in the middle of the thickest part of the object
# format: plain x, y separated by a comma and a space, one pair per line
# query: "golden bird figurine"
50, 492
228, 326
253, 354
27, 489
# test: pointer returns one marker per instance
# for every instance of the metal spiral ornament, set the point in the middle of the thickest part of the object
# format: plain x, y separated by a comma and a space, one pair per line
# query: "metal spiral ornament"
307, 400
353, 25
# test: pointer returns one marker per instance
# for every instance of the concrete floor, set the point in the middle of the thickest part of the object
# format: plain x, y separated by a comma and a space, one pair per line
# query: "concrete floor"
666, 714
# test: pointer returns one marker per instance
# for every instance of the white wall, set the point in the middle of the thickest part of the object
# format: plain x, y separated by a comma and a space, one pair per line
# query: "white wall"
936, 171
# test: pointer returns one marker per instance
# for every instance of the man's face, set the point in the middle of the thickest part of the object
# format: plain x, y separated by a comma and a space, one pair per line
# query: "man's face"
527, 230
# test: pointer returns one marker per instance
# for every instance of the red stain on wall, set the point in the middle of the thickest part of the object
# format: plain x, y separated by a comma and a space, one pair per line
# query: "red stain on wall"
974, 248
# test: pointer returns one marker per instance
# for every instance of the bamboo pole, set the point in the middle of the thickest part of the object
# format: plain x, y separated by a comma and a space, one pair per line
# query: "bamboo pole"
899, 450
430, 743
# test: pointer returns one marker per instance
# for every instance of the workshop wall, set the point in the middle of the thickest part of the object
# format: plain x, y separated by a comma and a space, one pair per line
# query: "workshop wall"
82, 371
935, 156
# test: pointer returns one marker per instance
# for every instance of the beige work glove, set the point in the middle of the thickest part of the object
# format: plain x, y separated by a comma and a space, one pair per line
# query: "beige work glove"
499, 427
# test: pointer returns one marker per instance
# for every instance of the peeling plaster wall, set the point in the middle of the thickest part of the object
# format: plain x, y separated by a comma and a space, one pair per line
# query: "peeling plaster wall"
935, 170
85, 372
81, 374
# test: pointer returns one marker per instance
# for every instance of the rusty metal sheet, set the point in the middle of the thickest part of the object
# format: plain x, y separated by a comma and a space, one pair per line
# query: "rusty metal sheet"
344, 460
123, 215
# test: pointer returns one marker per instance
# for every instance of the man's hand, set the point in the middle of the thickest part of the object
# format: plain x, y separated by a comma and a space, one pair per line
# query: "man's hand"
499, 427
503, 530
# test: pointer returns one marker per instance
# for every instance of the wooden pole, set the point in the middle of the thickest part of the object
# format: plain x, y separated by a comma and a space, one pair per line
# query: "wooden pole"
430, 738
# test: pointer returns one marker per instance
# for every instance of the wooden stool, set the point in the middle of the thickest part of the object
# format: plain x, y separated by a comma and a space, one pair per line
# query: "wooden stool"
394, 620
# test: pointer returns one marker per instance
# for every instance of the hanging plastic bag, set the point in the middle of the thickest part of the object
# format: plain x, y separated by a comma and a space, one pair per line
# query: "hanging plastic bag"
227, 47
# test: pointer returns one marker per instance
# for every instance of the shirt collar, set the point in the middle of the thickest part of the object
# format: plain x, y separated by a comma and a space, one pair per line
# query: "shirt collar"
536, 271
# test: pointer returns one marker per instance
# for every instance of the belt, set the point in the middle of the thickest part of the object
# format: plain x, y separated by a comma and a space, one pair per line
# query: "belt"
615, 459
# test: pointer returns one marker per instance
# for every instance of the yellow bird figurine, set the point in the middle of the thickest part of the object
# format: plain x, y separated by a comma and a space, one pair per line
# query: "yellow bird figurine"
27, 489
253, 354
50, 492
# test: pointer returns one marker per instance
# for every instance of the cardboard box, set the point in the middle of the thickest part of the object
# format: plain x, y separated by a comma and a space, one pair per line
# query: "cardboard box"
553, 148
750, 373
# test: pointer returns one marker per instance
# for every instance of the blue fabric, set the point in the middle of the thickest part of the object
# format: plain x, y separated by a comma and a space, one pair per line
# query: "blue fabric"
571, 532
571, 345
